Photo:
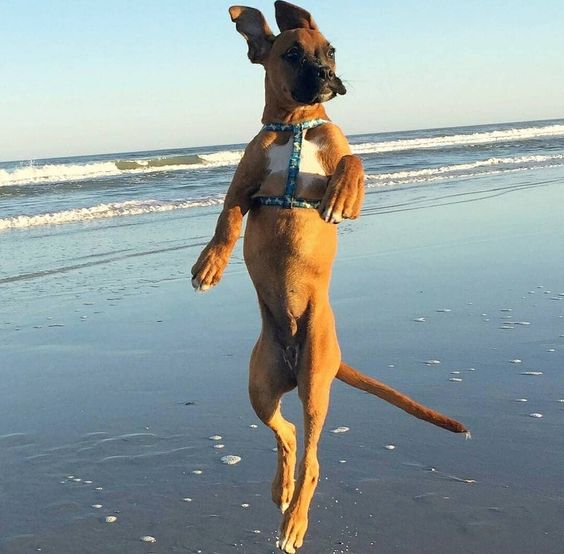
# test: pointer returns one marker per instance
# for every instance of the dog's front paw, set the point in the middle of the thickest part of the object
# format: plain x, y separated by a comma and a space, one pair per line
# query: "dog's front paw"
345, 192
199, 286
209, 268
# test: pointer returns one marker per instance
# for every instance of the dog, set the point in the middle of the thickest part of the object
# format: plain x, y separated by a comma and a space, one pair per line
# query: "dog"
296, 180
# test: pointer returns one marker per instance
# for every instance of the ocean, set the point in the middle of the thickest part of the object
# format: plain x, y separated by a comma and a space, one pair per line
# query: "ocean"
114, 219
92, 189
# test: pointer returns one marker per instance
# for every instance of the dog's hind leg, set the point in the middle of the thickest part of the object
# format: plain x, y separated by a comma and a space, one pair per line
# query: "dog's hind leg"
268, 381
314, 385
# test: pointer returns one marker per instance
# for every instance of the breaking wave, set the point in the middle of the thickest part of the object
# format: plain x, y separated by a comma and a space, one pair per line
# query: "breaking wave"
57, 173
104, 211
467, 139
471, 169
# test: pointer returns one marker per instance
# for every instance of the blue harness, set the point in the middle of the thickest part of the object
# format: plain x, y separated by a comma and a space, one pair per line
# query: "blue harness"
288, 199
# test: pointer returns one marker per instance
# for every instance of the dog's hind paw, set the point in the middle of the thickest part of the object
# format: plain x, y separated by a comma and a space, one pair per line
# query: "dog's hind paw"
285, 546
292, 533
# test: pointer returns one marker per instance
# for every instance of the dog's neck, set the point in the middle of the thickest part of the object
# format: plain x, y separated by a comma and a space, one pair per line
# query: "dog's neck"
275, 111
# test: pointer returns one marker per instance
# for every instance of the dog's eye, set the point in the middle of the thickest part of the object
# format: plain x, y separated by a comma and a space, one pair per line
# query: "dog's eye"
293, 54
331, 53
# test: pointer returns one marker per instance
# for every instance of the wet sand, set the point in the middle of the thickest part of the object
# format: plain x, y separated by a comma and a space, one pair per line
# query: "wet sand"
115, 375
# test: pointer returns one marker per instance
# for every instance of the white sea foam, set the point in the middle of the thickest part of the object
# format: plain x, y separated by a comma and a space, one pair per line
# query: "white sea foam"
228, 157
58, 173
50, 173
470, 169
466, 139
103, 211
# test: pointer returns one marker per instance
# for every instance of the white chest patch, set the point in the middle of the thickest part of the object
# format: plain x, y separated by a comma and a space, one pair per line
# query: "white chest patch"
279, 158
309, 161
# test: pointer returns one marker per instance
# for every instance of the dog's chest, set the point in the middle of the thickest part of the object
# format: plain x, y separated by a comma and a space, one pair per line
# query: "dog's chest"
311, 170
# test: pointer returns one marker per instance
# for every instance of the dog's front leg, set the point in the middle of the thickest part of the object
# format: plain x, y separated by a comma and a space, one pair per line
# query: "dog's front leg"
345, 191
209, 267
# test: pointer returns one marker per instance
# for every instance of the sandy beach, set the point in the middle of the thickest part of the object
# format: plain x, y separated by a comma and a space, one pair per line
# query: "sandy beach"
115, 374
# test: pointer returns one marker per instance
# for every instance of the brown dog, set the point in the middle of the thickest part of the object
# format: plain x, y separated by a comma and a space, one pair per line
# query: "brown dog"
296, 179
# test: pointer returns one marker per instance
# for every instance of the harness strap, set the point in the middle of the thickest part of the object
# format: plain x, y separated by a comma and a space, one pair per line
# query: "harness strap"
289, 200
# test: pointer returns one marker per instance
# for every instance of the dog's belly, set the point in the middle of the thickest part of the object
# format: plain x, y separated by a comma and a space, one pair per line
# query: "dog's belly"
289, 254
312, 178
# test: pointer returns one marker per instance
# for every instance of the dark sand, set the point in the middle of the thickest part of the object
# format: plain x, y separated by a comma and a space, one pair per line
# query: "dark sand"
117, 373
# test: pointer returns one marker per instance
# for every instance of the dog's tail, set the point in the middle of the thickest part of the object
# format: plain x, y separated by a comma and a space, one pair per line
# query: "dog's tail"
352, 377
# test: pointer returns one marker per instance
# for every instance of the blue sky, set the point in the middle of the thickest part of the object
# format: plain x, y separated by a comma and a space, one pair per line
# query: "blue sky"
113, 75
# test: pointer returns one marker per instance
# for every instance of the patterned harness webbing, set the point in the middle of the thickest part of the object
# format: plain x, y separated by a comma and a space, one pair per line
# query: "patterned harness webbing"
289, 200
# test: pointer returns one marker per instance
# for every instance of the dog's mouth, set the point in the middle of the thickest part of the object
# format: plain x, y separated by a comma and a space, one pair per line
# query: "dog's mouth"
315, 86
335, 87
323, 94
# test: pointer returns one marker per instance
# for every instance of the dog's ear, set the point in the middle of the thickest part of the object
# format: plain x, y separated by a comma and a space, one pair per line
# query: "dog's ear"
253, 26
289, 17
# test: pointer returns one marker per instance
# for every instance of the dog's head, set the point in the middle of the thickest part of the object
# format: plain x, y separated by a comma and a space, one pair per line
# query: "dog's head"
299, 62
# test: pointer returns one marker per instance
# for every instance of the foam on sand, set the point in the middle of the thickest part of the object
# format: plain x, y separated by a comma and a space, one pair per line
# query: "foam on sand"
339, 430
230, 459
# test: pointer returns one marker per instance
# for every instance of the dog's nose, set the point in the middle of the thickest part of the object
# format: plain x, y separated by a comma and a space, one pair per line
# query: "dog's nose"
325, 73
